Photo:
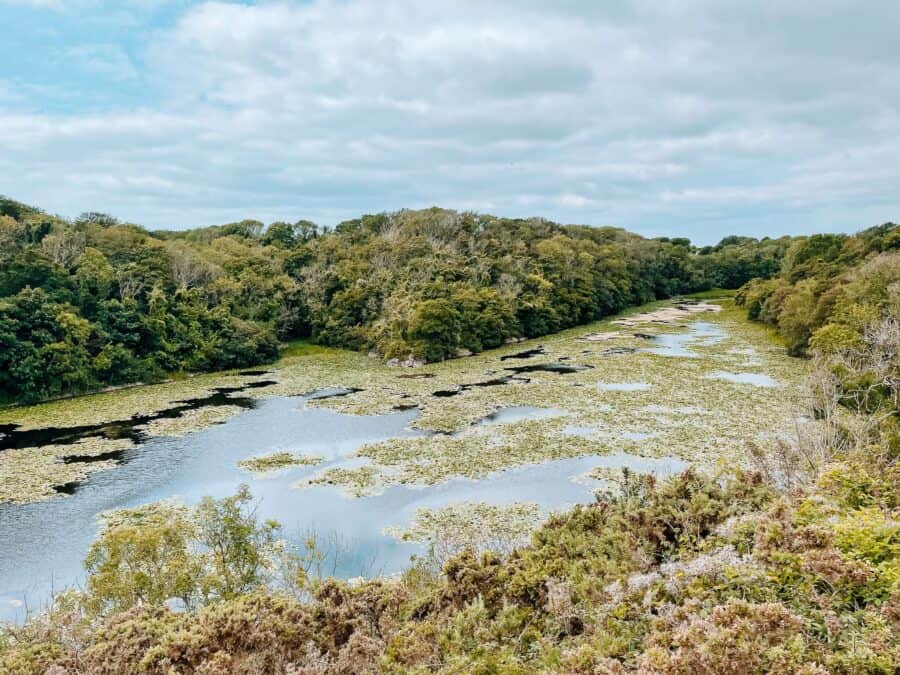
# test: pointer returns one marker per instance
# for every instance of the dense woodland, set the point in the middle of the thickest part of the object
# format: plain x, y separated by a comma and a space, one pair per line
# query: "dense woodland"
95, 302
789, 565
828, 286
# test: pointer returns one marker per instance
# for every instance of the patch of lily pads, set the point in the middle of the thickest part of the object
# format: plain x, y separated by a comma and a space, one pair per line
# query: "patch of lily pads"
684, 410
272, 463
478, 526
37, 474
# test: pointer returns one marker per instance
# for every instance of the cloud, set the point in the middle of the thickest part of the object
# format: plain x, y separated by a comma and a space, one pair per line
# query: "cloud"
689, 118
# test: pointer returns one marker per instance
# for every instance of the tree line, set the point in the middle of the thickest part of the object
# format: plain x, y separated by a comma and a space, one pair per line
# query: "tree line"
830, 289
93, 302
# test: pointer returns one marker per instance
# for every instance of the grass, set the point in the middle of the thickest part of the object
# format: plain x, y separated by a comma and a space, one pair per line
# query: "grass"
304, 347
712, 294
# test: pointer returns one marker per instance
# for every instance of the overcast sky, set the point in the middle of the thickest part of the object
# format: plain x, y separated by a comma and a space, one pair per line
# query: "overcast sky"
682, 118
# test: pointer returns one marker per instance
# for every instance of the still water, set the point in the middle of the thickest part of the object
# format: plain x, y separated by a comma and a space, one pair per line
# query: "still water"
44, 543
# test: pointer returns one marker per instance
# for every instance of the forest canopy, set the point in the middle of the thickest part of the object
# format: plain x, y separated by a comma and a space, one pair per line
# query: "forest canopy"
94, 302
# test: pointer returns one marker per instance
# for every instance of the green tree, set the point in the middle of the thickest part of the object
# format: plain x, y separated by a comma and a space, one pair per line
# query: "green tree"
436, 326
143, 557
239, 549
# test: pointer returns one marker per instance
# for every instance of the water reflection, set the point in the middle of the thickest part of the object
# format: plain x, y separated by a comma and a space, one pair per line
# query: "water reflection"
756, 379
677, 344
46, 542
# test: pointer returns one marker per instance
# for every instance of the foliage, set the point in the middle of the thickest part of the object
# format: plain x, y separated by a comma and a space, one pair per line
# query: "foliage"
829, 289
97, 302
696, 573
693, 574
161, 552
143, 558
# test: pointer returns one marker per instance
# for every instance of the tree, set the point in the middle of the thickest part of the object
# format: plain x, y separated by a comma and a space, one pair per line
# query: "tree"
238, 548
280, 234
142, 556
188, 268
64, 247
215, 551
435, 324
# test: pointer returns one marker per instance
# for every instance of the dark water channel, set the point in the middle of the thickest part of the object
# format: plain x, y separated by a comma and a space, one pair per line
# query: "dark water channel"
129, 428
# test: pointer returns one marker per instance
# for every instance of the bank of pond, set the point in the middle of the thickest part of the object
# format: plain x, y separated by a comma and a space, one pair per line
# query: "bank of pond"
347, 447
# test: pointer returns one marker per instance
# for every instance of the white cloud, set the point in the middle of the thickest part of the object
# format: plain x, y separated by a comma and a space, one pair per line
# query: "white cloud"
674, 113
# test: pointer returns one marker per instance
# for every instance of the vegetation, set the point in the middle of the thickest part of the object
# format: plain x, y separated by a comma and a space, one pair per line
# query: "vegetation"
275, 461
95, 302
790, 563
830, 288
681, 408
690, 575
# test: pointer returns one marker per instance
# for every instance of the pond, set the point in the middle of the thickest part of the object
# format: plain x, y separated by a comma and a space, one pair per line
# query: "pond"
46, 541
536, 422
678, 344
755, 379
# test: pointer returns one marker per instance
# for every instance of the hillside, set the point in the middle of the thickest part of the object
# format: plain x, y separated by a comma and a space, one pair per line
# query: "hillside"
94, 302
788, 564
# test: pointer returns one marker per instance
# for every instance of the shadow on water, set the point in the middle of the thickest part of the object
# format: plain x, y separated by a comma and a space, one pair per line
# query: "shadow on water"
337, 392
494, 382
561, 368
552, 367
129, 429
527, 354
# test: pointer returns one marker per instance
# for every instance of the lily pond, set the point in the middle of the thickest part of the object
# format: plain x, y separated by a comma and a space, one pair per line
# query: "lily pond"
372, 458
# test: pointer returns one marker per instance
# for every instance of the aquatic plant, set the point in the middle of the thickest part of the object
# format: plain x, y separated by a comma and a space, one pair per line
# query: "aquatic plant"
705, 421
477, 526
276, 461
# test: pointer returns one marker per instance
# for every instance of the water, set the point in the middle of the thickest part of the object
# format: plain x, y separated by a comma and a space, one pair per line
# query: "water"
755, 379
46, 542
517, 413
677, 344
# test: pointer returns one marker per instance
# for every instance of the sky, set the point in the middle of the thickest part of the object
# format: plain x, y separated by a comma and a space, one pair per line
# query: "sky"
695, 118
